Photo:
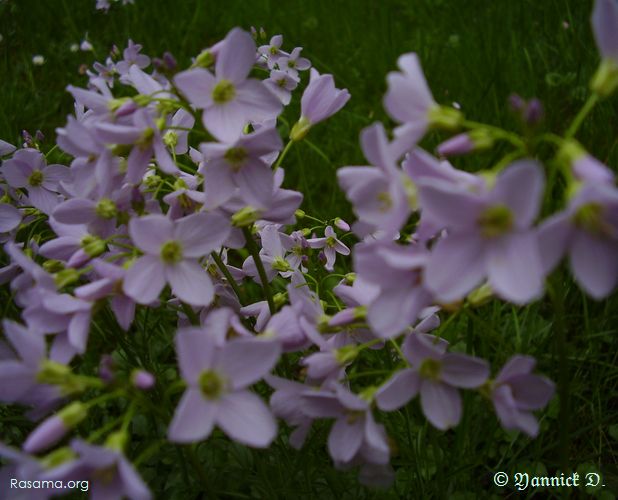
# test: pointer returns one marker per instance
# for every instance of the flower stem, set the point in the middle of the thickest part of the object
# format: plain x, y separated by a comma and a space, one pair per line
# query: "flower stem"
193, 318
556, 294
255, 253
228, 276
578, 120
282, 155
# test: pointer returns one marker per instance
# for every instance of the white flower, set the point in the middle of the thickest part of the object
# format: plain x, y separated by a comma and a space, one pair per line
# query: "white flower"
38, 60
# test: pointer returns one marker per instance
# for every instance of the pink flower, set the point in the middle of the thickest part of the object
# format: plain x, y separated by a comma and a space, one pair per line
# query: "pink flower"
173, 249
217, 378
229, 99
516, 392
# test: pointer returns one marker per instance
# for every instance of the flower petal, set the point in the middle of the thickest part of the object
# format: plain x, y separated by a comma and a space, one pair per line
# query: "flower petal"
464, 371
514, 267
144, 280
247, 361
150, 232
190, 282
196, 85
520, 187
456, 265
193, 419
441, 404
237, 56
201, 233
245, 418
345, 439
594, 264
398, 390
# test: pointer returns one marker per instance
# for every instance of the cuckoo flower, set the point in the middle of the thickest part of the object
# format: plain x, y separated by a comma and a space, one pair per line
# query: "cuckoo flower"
293, 63
239, 164
172, 252
436, 374
281, 84
355, 432
19, 373
109, 285
409, 101
98, 213
28, 169
381, 196
272, 255
229, 99
516, 392
271, 52
131, 56
489, 235
397, 272
147, 140
605, 29
588, 232
320, 100
23, 467
10, 217
217, 378
331, 245
287, 403
6, 148
110, 474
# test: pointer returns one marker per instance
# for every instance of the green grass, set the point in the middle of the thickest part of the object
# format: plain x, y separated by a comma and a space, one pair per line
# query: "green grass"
474, 52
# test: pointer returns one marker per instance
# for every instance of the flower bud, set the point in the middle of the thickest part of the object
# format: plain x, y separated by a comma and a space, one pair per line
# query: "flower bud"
516, 103
346, 354
53, 266
54, 373
480, 295
117, 440
341, 224
605, 80
54, 428
245, 217
57, 457
143, 380
279, 299
462, 144
443, 117
300, 129
66, 277
93, 245
205, 59
106, 368
299, 213
534, 112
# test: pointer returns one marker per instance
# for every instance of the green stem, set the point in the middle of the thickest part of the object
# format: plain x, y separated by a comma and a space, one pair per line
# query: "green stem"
498, 132
98, 400
282, 155
578, 120
103, 430
255, 253
556, 294
228, 276
194, 318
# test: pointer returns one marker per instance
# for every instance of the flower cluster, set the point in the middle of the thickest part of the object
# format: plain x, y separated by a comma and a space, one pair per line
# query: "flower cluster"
173, 201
